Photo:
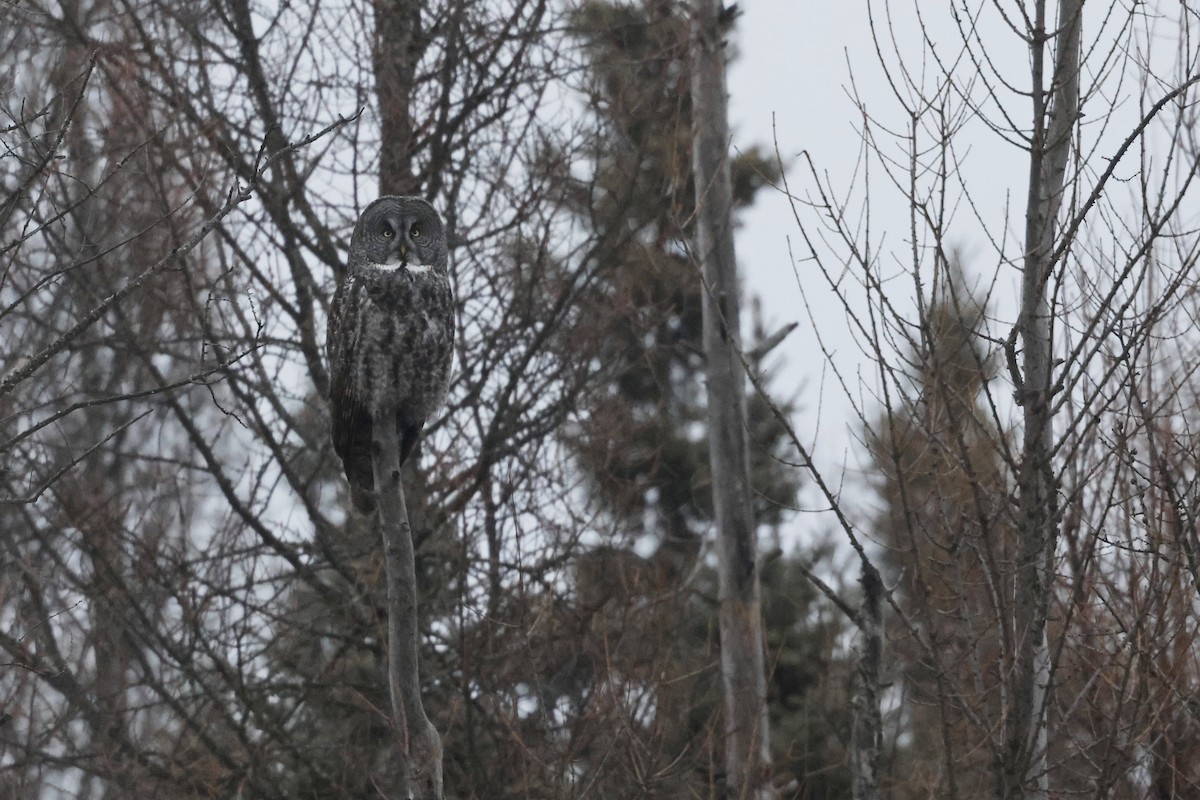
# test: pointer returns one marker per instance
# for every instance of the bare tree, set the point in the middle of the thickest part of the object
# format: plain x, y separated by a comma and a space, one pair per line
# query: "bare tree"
1055, 114
165, 600
1014, 638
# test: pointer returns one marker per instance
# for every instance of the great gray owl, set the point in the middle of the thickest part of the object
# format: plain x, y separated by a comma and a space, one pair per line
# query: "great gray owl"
391, 333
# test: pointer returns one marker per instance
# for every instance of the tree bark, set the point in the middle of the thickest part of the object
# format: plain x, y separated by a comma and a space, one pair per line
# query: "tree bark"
398, 47
1024, 773
747, 747
417, 771
866, 735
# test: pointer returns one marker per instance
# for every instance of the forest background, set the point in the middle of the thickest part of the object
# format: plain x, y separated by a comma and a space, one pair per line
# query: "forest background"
994, 276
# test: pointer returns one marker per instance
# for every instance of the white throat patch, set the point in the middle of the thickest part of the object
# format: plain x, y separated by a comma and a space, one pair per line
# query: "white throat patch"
393, 264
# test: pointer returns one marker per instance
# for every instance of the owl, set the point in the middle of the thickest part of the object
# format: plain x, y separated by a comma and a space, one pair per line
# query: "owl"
390, 339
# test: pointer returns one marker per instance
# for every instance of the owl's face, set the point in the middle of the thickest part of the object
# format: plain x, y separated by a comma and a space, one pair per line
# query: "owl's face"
398, 235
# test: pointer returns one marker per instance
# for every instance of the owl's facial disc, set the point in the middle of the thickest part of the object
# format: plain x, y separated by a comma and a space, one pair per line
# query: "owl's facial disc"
403, 252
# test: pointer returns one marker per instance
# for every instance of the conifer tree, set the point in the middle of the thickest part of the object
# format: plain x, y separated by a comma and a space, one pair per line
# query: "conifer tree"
947, 536
642, 441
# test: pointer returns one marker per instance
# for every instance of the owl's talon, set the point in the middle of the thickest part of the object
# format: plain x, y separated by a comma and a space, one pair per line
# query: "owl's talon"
365, 500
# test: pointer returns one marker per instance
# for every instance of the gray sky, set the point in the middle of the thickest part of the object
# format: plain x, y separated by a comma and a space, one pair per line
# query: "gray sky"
789, 88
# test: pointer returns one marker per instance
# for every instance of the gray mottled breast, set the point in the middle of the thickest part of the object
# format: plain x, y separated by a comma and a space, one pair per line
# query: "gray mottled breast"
396, 341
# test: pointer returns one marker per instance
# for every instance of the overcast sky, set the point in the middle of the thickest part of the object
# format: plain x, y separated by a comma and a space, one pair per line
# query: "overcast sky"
789, 86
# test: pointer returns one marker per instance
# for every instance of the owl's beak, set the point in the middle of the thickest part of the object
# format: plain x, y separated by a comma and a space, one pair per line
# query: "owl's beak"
404, 246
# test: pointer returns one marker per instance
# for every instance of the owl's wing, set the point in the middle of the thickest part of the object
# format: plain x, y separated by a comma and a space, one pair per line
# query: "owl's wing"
347, 412
351, 420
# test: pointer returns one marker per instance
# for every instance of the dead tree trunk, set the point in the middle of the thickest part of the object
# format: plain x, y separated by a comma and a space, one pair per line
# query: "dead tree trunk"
417, 772
398, 45
1024, 773
866, 735
747, 751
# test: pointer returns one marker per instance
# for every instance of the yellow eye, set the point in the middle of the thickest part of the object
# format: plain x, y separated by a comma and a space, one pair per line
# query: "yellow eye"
387, 231
415, 232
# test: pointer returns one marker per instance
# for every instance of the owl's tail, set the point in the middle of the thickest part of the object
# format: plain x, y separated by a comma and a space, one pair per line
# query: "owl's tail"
360, 471
361, 476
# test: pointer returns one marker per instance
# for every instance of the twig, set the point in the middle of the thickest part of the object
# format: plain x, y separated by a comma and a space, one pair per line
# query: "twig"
48, 482
238, 195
